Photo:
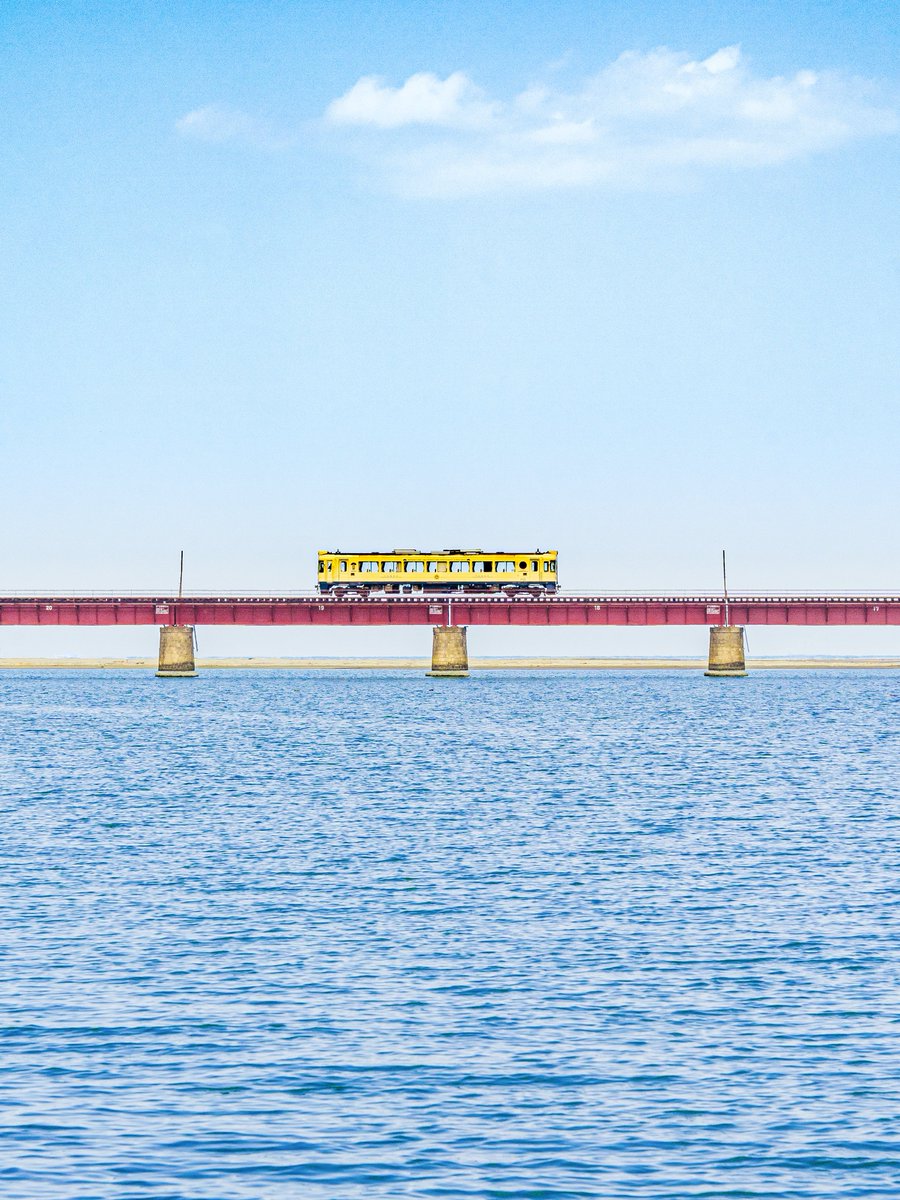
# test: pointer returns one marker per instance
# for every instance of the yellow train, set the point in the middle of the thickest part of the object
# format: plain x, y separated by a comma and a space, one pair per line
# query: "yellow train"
509, 572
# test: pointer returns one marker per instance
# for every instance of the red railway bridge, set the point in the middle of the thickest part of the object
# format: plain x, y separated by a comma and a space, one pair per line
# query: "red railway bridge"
450, 615
559, 609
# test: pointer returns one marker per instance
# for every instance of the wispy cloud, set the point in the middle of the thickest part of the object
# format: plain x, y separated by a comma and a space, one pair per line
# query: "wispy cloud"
424, 99
644, 119
219, 125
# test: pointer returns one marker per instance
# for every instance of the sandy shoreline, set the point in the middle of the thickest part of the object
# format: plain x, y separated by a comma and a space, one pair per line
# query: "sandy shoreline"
475, 664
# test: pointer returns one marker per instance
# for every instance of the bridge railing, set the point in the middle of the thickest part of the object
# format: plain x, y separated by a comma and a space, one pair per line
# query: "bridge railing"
281, 595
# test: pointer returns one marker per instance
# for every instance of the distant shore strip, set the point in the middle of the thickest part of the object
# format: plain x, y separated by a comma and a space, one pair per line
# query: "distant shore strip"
422, 664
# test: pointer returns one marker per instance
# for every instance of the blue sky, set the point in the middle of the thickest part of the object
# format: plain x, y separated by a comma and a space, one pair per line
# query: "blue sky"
620, 279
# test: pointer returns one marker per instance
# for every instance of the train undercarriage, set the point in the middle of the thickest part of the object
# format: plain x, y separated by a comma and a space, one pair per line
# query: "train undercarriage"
522, 590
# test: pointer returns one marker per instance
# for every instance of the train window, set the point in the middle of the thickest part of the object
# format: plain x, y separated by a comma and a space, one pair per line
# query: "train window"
390, 567
482, 567
369, 565
321, 566
553, 565
534, 564
504, 566
343, 564
459, 568
523, 566
546, 567
415, 567
432, 566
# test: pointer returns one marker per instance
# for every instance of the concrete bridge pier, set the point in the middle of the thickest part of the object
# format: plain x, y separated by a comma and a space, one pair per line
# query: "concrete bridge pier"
176, 652
726, 652
449, 653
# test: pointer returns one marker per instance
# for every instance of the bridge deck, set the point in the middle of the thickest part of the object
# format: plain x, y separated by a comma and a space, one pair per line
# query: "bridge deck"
560, 609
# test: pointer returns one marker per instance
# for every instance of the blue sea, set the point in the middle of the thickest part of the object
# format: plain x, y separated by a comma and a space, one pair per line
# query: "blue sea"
368, 936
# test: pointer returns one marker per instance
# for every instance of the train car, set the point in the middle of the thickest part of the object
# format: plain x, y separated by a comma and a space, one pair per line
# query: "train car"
510, 572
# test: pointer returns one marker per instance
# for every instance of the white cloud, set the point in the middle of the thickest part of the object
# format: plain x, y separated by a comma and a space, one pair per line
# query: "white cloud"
219, 125
423, 100
643, 119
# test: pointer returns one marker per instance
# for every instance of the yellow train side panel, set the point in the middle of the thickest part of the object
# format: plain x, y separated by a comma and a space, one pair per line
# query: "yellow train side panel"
434, 569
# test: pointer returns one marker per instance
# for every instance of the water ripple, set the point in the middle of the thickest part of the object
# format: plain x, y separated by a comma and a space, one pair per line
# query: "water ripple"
370, 935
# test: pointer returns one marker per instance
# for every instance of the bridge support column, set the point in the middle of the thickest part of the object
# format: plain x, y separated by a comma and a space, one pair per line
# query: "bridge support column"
176, 652
726, 652
449, 653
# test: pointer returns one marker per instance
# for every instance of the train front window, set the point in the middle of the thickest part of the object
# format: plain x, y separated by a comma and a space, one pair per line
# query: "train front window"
321, 566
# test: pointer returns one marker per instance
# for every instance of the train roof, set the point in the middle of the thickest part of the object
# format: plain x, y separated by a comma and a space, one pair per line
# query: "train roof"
411, 550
